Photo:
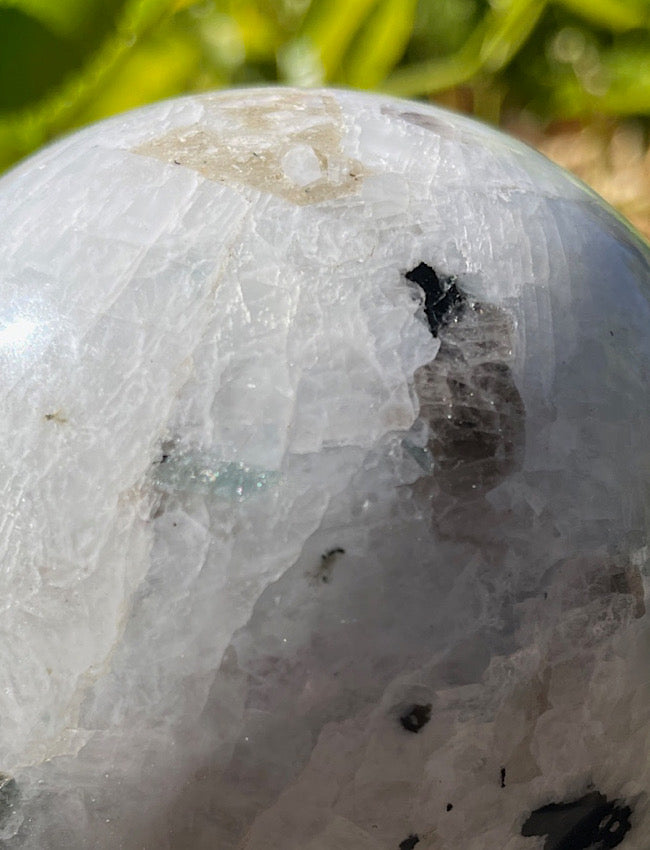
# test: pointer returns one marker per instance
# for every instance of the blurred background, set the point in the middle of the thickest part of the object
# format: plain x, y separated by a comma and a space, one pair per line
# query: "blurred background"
571, 77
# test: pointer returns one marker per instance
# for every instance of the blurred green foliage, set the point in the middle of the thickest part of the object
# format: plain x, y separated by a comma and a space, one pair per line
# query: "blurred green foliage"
64, 63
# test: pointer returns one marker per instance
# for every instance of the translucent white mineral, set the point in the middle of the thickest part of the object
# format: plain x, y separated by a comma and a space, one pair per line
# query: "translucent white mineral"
324, 487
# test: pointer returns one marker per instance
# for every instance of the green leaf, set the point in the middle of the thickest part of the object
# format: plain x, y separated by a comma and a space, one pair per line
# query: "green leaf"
331, 25
439, 74
24, 130
429, 77
441, 27
380, 44
494, 42
508, 27
615, 15
158, 67
619, 86
66, 18
33, 59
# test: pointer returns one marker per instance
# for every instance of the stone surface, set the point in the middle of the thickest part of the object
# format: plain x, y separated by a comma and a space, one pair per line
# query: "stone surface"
324, 487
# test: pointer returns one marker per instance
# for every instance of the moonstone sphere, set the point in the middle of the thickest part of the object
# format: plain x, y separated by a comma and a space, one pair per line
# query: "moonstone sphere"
324, 492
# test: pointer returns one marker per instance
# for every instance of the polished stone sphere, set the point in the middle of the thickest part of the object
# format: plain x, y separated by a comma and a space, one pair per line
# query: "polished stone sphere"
324, 487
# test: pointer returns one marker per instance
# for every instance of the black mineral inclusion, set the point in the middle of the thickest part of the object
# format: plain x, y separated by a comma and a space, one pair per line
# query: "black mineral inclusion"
443, 301
416, 717
409, 843
590, 823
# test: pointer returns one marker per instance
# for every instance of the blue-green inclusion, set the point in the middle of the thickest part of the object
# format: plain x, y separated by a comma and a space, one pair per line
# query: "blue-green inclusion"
203, 473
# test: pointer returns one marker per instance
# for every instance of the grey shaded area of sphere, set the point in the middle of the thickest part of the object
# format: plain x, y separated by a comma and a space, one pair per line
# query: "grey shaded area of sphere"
324, 496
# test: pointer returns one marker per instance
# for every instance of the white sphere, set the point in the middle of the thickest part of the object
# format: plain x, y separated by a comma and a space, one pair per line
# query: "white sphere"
324, 487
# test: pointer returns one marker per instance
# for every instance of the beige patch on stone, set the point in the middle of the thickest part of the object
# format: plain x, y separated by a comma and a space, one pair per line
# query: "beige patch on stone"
287, 145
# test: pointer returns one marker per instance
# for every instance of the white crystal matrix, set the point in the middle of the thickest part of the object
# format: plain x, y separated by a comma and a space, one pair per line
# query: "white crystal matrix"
324, 486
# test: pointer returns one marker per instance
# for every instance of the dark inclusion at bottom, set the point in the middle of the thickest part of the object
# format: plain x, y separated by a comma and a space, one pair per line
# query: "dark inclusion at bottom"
590, 823
416, 717
409, 843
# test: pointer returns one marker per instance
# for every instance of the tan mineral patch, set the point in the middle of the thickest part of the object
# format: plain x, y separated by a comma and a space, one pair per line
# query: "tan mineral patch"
287, 145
